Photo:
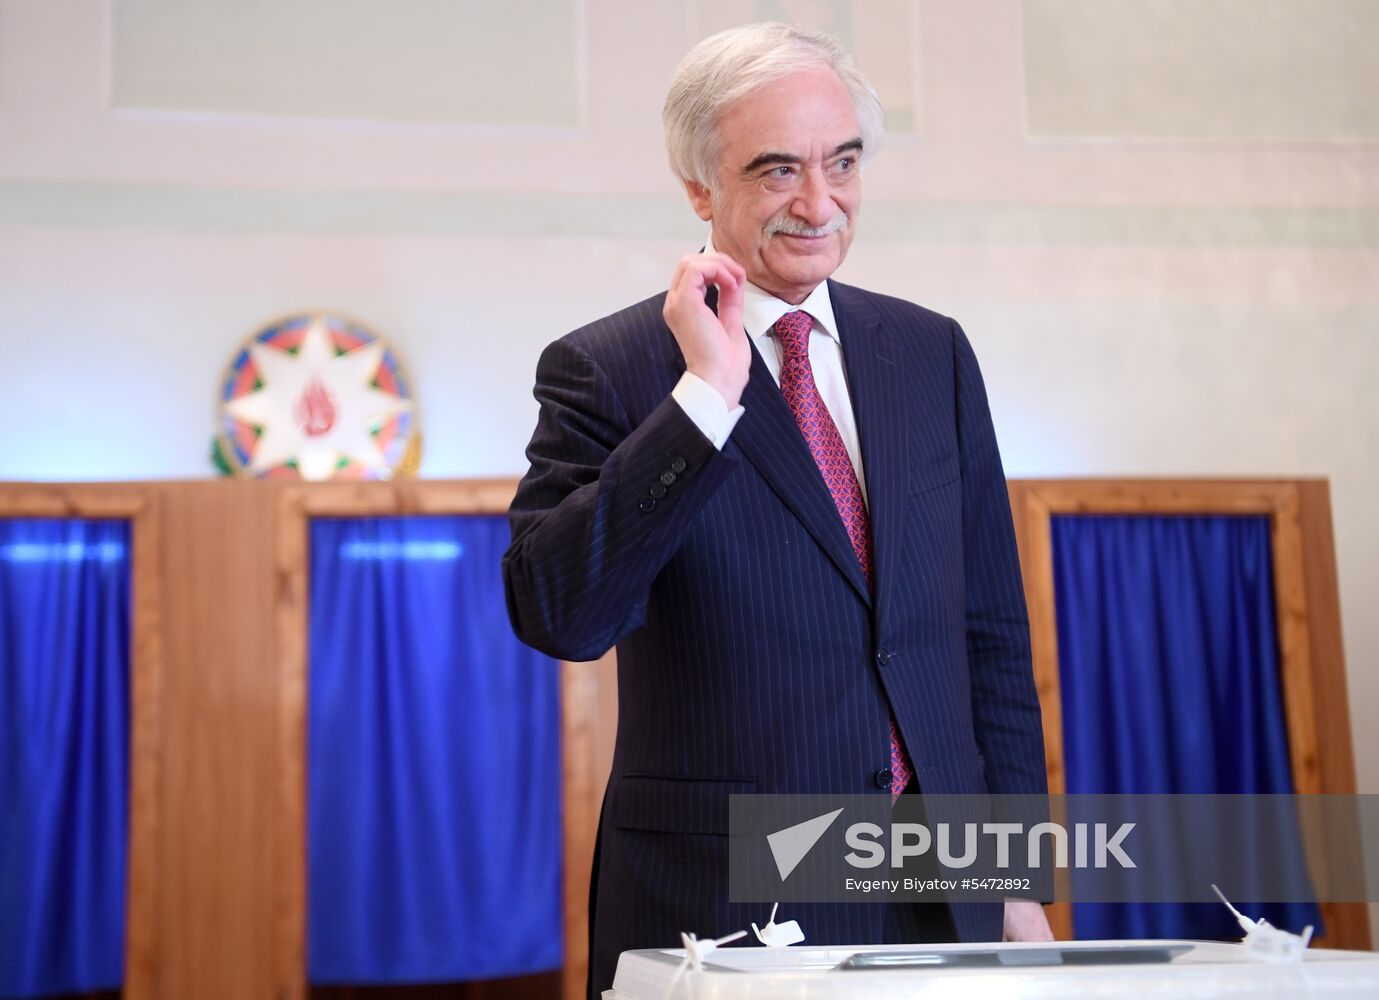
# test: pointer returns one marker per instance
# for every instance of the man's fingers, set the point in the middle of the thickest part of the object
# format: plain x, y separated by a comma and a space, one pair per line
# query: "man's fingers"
699, 270
692, 280
715, 347
690, 285
730, 280
730, 304
723, 278
730, 273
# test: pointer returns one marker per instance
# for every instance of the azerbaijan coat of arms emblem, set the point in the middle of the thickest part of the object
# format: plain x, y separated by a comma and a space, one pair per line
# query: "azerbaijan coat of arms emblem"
316, 396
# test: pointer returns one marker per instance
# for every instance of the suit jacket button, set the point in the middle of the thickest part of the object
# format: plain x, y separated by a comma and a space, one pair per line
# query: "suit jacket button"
667, 478
657, 490
883, 657
883, 778
677, 465
648, 504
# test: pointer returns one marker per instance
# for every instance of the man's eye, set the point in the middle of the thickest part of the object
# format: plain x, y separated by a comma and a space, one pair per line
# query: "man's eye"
780, 171
846, 163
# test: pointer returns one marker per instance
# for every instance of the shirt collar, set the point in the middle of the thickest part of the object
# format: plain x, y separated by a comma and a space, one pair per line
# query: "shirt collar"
761, 309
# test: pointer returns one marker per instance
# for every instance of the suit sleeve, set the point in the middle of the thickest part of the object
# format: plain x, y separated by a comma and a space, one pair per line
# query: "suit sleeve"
1005, 705
602, 508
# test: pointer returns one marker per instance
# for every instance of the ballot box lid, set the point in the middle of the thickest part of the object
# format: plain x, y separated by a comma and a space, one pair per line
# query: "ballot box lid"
1017, 970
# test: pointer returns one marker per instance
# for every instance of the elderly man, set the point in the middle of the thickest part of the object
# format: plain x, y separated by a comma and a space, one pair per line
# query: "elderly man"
781, 498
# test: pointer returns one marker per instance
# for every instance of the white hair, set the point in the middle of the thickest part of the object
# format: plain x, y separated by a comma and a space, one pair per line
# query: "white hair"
725, 67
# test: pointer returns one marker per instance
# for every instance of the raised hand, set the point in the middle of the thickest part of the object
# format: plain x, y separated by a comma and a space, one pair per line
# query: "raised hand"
715, 347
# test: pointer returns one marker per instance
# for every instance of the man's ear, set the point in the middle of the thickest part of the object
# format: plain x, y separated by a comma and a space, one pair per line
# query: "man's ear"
701, 200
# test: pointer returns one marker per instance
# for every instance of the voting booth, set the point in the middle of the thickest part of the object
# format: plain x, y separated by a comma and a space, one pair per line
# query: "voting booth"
1136, 589
212, 592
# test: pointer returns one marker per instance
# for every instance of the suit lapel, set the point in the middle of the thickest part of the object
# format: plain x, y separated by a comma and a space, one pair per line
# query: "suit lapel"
876, 385
770, 439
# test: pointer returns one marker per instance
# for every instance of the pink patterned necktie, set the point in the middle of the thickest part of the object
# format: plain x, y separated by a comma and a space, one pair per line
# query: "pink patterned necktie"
831, 455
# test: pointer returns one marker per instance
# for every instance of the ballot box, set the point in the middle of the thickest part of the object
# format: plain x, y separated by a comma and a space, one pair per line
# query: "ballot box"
1010, 971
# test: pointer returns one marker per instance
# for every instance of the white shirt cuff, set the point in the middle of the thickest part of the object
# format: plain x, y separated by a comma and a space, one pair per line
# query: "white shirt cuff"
704, 405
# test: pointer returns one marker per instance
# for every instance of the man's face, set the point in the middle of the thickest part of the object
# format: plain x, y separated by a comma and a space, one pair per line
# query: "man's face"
788, 184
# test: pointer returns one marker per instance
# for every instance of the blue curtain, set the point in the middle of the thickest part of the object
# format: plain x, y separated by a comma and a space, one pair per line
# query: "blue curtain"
434, 841
1169, 669
64, 738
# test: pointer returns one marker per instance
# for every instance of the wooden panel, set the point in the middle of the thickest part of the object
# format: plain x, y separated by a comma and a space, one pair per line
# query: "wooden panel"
1348, 924
1159, 496
1336, 762
408, 496
1295, 649
142, 946
1031, 516
291, 587
124, 501
220, 747
589, 721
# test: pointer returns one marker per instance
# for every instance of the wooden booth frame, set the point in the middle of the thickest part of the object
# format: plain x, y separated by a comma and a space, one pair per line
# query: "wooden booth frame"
1307, 610
137, 504
584, 751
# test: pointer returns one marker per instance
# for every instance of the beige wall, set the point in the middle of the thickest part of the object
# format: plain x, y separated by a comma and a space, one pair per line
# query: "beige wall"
1157, 219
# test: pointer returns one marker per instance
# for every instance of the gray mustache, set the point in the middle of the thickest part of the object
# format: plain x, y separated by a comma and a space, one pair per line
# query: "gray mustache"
794, 227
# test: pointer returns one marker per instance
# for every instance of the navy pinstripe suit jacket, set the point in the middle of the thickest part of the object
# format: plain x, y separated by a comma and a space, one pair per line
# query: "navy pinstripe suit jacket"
752, 655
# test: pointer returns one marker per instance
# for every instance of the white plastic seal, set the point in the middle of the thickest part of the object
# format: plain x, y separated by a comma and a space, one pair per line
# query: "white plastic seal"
1265, 941
775, 935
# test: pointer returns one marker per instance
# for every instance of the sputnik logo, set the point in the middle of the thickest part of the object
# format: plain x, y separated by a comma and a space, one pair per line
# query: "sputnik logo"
789, 846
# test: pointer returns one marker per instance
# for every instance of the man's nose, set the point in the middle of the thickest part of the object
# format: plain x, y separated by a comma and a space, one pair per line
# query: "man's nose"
814, 202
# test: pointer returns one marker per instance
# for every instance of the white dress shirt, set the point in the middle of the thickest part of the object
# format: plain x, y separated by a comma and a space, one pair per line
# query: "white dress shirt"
704, 405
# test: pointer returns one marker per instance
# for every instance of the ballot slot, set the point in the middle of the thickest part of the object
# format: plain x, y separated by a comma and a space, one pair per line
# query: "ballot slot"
1004, 957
